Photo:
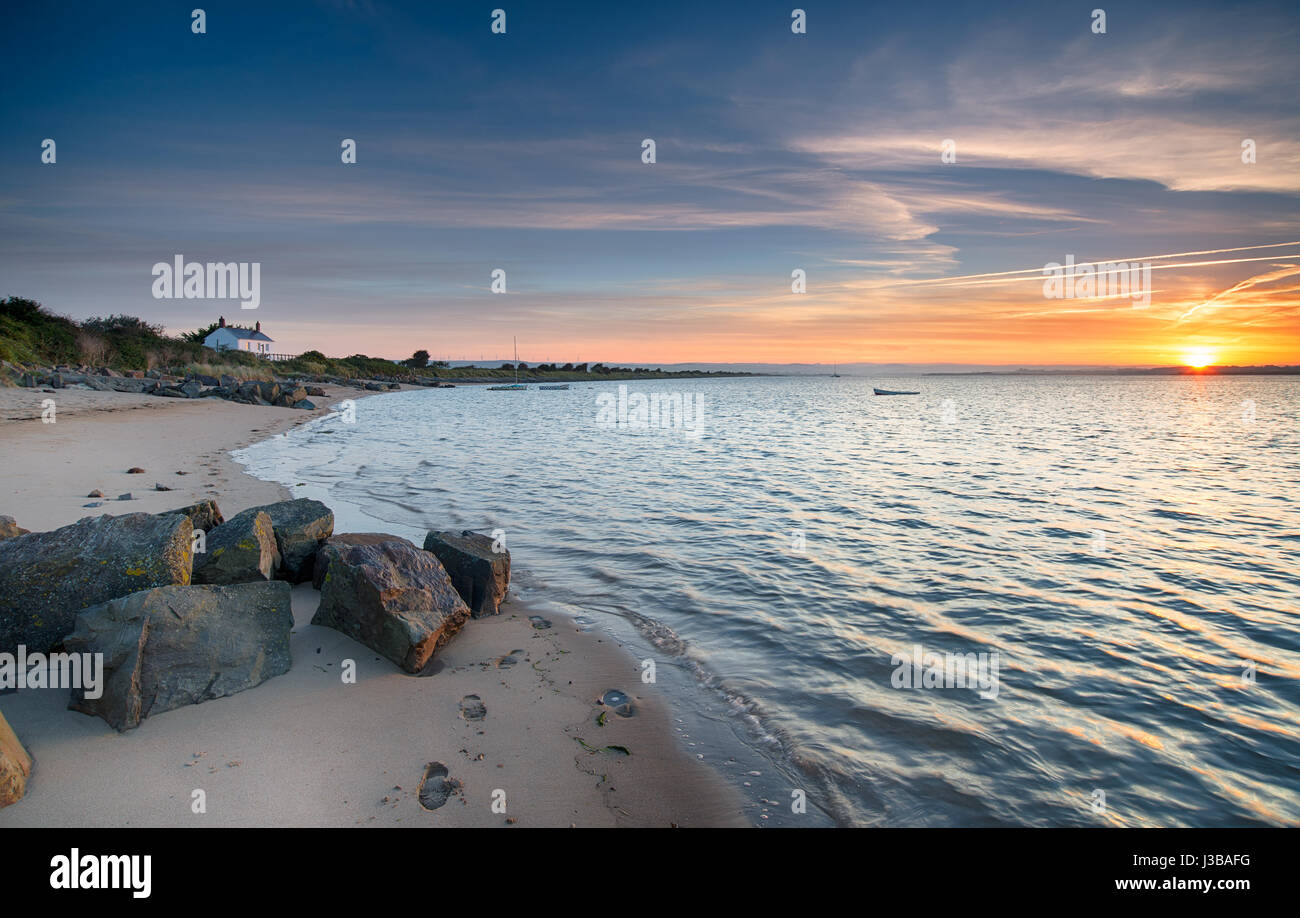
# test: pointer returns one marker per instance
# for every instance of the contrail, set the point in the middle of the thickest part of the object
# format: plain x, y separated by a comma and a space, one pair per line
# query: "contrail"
1038, 271
1000, 279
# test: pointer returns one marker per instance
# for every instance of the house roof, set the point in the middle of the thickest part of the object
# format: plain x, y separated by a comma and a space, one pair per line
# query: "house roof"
243, 333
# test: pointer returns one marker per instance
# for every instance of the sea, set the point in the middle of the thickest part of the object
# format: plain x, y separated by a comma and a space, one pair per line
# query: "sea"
1006, 600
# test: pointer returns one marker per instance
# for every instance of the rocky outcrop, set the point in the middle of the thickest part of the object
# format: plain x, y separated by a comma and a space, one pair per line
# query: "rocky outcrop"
46, 578
391, 597
480, 575
240, 550
15, 766
173, 646
9, 528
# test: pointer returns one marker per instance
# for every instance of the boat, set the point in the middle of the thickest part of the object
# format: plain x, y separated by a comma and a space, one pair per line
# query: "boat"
892, 392
517, 386
834, 375
555, 386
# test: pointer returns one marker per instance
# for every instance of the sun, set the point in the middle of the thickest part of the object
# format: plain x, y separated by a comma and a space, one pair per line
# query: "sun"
1198, 359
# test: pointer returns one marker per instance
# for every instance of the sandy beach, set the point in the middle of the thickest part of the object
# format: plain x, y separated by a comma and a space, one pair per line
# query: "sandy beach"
305, 749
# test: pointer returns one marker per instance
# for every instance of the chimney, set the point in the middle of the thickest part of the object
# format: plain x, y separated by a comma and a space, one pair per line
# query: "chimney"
221, 323
257, 327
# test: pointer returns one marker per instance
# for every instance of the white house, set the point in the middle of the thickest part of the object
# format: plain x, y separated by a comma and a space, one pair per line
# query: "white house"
224, 338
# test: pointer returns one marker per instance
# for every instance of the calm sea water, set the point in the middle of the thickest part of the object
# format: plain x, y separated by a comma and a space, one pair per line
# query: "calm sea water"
1128, 547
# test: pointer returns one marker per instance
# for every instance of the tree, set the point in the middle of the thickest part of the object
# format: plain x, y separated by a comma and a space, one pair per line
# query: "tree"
419, 360
197, 336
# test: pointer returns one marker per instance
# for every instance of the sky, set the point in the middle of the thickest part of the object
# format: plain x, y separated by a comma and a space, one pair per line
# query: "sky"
774, 152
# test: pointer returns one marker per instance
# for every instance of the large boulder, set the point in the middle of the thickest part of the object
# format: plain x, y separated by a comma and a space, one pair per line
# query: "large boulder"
9, 528
46, 578
301, 527
205, 515
173, 646
342, 540
15, 765
480, 575
289, 397
240, 550
392, 597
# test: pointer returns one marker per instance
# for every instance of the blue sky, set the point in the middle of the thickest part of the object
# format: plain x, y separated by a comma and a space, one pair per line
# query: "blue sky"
775, 151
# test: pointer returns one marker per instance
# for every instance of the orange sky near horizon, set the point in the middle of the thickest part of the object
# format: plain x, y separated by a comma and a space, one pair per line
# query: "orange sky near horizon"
1237, 317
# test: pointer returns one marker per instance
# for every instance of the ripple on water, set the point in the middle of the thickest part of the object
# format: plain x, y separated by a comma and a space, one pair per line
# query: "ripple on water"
783, 559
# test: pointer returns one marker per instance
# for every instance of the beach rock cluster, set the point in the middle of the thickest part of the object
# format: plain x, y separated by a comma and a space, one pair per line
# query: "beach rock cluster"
187, 606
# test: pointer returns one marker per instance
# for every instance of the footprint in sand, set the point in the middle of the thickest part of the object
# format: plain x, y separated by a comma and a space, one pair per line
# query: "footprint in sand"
436, 787
619, 701
539, 623
472, 708
510, 659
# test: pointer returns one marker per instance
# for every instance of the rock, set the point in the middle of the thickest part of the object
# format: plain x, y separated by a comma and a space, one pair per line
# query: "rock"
306, 405
393, 598
160, 487
321, 566
240, 550
376, 387
9, 528
123, 384
204, 515
480, 575
46, 578
135, 470
269, 391
290, 397
172, 646
229, 382
15, 765
94, 503
126, 496
96, 493
301, 527
315, 392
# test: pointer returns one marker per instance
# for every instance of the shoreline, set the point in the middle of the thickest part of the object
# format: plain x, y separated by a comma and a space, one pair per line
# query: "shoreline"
304, 749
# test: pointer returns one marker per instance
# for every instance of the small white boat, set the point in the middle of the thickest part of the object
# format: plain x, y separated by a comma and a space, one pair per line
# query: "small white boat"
892, 392
517, 386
